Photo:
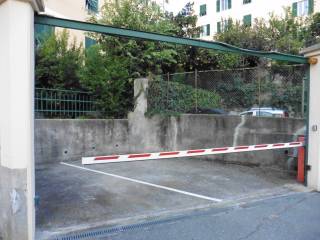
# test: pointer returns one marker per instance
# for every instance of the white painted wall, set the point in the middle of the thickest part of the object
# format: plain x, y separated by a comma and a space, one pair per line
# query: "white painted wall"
257, 8
17, 83
17, 94
313, 176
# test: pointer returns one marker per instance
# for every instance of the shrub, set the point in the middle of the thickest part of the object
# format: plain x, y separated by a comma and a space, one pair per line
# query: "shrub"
172, 97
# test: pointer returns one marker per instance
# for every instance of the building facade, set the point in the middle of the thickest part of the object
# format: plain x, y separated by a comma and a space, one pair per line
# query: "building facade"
213, 15
71, 9
78, 10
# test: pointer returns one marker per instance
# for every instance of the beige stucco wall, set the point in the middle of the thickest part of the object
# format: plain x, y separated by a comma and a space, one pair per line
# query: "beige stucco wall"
71, 9
17, 181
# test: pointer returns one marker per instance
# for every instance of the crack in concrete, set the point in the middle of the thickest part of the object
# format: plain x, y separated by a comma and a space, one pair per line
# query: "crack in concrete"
237, 130
272, 216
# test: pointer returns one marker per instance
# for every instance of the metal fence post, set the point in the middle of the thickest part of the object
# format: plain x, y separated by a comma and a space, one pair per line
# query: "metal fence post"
168, 79
196, 87
259, 92
302, 97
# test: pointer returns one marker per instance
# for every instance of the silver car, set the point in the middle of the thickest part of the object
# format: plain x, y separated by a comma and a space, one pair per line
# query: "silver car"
265, 112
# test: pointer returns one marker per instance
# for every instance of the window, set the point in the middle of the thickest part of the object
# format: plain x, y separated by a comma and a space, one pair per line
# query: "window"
264, 114
302, 8
44, 29
203, 10
246, 114
246, 1
223, 5
247, 20
42, 32
92, 5
218, 27
223, 25
205, 30
89, 42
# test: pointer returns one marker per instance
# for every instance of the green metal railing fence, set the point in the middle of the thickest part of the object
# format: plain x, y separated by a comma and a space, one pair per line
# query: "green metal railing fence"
57, 103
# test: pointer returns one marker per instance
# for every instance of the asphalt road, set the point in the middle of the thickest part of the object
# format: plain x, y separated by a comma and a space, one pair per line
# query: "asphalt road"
294, 217
171, 199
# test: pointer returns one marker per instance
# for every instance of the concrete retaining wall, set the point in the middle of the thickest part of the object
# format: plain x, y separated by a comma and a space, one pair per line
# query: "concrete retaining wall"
65, 140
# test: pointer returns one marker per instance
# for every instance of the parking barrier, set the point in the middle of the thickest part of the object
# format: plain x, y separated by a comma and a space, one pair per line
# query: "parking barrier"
195, 152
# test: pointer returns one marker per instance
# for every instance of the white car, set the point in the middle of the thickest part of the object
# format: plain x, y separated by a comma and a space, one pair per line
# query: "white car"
265, 112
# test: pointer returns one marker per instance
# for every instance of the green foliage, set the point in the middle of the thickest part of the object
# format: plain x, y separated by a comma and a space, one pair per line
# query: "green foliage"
314, 31
174, 97
290, 98
107, 70
237, 93
315, 25
145, 57
58, 61
286, 34
107, 78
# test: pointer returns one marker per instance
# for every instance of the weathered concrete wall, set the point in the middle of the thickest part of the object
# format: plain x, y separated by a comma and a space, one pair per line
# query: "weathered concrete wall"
206, 131
13, 199
64, 140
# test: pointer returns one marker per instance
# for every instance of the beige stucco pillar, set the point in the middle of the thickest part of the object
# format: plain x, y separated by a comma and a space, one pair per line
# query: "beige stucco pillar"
17, 215
313, 175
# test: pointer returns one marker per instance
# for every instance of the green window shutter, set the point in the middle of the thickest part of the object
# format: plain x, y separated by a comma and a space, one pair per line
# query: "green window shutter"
89, 42
42, 32
218, 27
218, 5
203, 10
92, 5
247, 20
229, 23
208, 29
311, 6
294, 9
229, 4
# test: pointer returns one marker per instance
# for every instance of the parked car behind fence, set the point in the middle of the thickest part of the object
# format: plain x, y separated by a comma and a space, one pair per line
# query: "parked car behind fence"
265, 112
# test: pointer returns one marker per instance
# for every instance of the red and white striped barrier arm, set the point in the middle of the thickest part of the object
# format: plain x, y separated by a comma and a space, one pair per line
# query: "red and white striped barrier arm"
188, 153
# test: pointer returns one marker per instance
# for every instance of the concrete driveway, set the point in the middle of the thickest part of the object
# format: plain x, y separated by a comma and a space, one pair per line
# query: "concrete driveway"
76, 198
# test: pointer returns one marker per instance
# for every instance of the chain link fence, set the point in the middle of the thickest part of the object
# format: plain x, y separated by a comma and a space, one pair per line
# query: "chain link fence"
229, 91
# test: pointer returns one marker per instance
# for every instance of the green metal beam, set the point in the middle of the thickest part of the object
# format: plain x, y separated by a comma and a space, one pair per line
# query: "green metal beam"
114, 31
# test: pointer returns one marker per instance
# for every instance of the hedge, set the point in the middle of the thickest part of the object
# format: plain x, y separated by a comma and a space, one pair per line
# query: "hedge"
174, 98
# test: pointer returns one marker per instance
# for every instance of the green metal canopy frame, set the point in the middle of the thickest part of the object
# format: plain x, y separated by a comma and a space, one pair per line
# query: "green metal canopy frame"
114, 31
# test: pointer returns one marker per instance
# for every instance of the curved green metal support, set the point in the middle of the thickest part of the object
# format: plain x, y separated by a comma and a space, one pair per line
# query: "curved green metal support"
114, 31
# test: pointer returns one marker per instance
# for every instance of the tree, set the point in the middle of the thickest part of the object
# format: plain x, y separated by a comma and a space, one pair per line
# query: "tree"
106, 77
191, 58
314, 34
282, 34
186, 22
145, 57
111, 66
58, 61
